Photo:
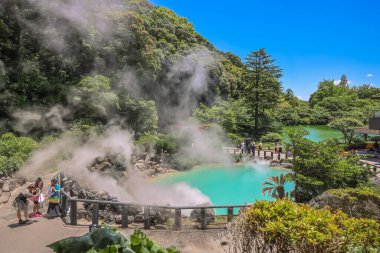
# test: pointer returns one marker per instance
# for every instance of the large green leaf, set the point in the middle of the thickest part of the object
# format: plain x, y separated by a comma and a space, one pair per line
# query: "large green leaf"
73, 244
105, 237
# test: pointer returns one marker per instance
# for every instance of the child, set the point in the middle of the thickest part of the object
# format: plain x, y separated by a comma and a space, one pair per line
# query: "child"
53, 197
38, 198
21, 204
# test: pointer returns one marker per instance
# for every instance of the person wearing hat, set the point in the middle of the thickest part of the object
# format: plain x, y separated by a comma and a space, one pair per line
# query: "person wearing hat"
21, 204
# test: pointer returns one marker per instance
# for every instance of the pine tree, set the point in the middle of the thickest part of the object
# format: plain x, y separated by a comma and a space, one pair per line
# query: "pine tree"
263, 89
343, 80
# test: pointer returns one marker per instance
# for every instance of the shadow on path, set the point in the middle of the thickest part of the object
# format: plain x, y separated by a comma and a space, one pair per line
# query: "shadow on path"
16, 225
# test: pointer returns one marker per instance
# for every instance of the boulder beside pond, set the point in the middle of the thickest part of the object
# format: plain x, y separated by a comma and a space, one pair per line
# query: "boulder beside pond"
360, 203
196, 215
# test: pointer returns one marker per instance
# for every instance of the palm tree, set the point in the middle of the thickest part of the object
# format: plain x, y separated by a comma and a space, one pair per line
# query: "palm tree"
275, 188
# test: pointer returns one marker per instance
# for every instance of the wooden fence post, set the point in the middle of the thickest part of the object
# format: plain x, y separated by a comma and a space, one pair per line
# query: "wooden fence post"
124, 216
230, 214
178, 220
203, 219
73, 212
95, 213
147, 217
64, 205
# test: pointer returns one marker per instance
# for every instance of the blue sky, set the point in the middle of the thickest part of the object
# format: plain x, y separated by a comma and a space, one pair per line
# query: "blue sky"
311, 39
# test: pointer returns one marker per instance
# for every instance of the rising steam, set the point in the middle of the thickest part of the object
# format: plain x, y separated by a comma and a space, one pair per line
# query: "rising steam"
188, 78
72, 157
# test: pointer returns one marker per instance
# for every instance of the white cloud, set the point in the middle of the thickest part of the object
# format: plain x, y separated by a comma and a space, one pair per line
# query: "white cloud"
370, 75
336, 82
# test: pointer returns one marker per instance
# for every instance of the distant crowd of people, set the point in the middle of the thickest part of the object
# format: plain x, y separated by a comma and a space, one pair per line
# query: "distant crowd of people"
34, 194
248, 146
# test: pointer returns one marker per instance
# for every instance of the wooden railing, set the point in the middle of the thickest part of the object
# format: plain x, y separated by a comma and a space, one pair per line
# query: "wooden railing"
71, 204
261, 154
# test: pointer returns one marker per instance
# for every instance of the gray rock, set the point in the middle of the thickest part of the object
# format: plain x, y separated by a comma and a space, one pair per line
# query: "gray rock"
196, 216
355, 205
6, 187
161, 227
287, 165
131, 219
159, 215
139, 218
4, 198
103, 166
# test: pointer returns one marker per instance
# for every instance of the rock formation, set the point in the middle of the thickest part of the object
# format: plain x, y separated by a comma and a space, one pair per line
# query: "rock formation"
354, 202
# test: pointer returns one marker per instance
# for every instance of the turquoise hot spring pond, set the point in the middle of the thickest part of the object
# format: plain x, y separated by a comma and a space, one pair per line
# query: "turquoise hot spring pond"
317, 133
227, 185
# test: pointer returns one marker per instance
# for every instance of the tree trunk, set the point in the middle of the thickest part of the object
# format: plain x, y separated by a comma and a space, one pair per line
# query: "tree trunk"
257, 81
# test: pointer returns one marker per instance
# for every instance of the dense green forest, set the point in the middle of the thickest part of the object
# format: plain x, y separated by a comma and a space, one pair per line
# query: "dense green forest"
75, 68
138, 64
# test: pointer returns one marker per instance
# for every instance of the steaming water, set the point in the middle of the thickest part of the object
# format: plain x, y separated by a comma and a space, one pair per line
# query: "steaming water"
231, 185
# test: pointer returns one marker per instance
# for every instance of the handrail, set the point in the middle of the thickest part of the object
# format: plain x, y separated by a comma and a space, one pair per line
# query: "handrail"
146, 210
105, 202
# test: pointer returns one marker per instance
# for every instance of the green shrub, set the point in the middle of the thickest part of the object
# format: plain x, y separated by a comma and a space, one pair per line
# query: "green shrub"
375, 138
10, 145
234, 139
160, 143
284, 226
9, 165
109, 240
271, 137
181, 161
14, 151
362, 145
167, 143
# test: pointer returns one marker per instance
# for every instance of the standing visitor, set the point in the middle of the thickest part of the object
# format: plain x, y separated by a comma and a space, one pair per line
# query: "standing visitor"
275, 147
38, 198
253, 148
242, 147
260, 146
53, 197
21, 204
248, 145
279, 151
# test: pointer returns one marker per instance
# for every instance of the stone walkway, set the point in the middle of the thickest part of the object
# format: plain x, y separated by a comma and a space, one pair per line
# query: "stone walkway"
36, 236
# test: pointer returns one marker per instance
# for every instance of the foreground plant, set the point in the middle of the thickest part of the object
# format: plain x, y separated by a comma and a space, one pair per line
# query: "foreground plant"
275, 186
284, 226
110, 241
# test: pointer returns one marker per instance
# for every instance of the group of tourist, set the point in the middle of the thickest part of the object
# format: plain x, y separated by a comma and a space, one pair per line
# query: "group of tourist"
248, 146
34, 193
